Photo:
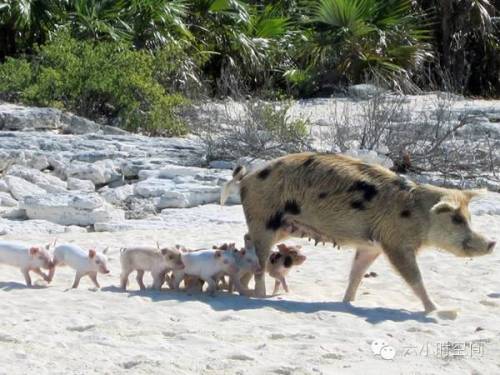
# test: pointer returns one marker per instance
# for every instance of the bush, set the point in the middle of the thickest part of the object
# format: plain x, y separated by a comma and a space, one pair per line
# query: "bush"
105, 81
15, 75
258, 129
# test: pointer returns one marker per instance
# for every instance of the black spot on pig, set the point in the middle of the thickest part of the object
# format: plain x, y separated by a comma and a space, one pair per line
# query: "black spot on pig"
288, 261
275, 222
263, 174
405, 213
273, 258
369, 190
358, 205
292, 207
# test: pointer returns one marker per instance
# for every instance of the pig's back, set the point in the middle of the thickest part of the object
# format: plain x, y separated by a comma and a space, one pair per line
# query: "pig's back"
197, 261
71, 255
144, 258
13, 253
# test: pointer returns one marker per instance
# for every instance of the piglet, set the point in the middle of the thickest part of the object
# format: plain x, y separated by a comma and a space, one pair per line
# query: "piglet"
248, 264
280, 262
142, 259
84, 262
206, 265
26, 258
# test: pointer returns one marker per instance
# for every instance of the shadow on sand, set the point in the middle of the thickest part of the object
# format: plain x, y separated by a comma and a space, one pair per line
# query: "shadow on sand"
225, 301
12, 285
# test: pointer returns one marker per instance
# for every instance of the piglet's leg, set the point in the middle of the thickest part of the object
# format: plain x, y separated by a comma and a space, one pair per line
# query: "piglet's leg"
212, 286
27, 277
139, 277
124, 279
158, 280
177, 277
283, 281
276, 286
39, 272
93, 277
78, 276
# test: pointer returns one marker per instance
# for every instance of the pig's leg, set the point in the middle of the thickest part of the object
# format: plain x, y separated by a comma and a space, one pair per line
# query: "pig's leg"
93, 277
245, 279
39, 272
27, 277
263, 241
78, 276
276, 286
124, 278
362, 260
52, 272
139, 277
169, 281
405, 261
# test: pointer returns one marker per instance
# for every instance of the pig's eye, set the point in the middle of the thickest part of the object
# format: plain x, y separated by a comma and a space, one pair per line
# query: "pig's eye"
97, 262
170, 257
225, 261
458, 219
249, 260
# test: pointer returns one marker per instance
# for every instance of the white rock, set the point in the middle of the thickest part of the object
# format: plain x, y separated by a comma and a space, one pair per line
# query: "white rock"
73, 124
100, 172
7, 200
82, 185
153, 187
3, 186
16, 117
15, 214
117, 195
70, 209
45, 181
20, 188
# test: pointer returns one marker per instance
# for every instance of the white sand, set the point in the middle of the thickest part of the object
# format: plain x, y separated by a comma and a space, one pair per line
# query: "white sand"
50, 330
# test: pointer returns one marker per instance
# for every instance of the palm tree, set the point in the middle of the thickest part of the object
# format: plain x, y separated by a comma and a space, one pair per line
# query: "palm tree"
351, 40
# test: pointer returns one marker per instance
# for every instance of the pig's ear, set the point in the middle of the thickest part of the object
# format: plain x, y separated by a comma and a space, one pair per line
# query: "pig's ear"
283, 248
91, 253
218, 254
473, 193
442, 207
34, 250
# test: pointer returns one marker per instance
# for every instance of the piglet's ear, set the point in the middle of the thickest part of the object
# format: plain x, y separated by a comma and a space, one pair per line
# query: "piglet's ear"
218, 254
91, 253
283, 248
34, 250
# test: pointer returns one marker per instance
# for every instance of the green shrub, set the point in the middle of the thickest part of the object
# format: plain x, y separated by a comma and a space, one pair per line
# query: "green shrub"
101, 81
15, 75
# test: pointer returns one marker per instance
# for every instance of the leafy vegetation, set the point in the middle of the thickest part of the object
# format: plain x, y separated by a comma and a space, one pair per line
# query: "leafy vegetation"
168, 48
